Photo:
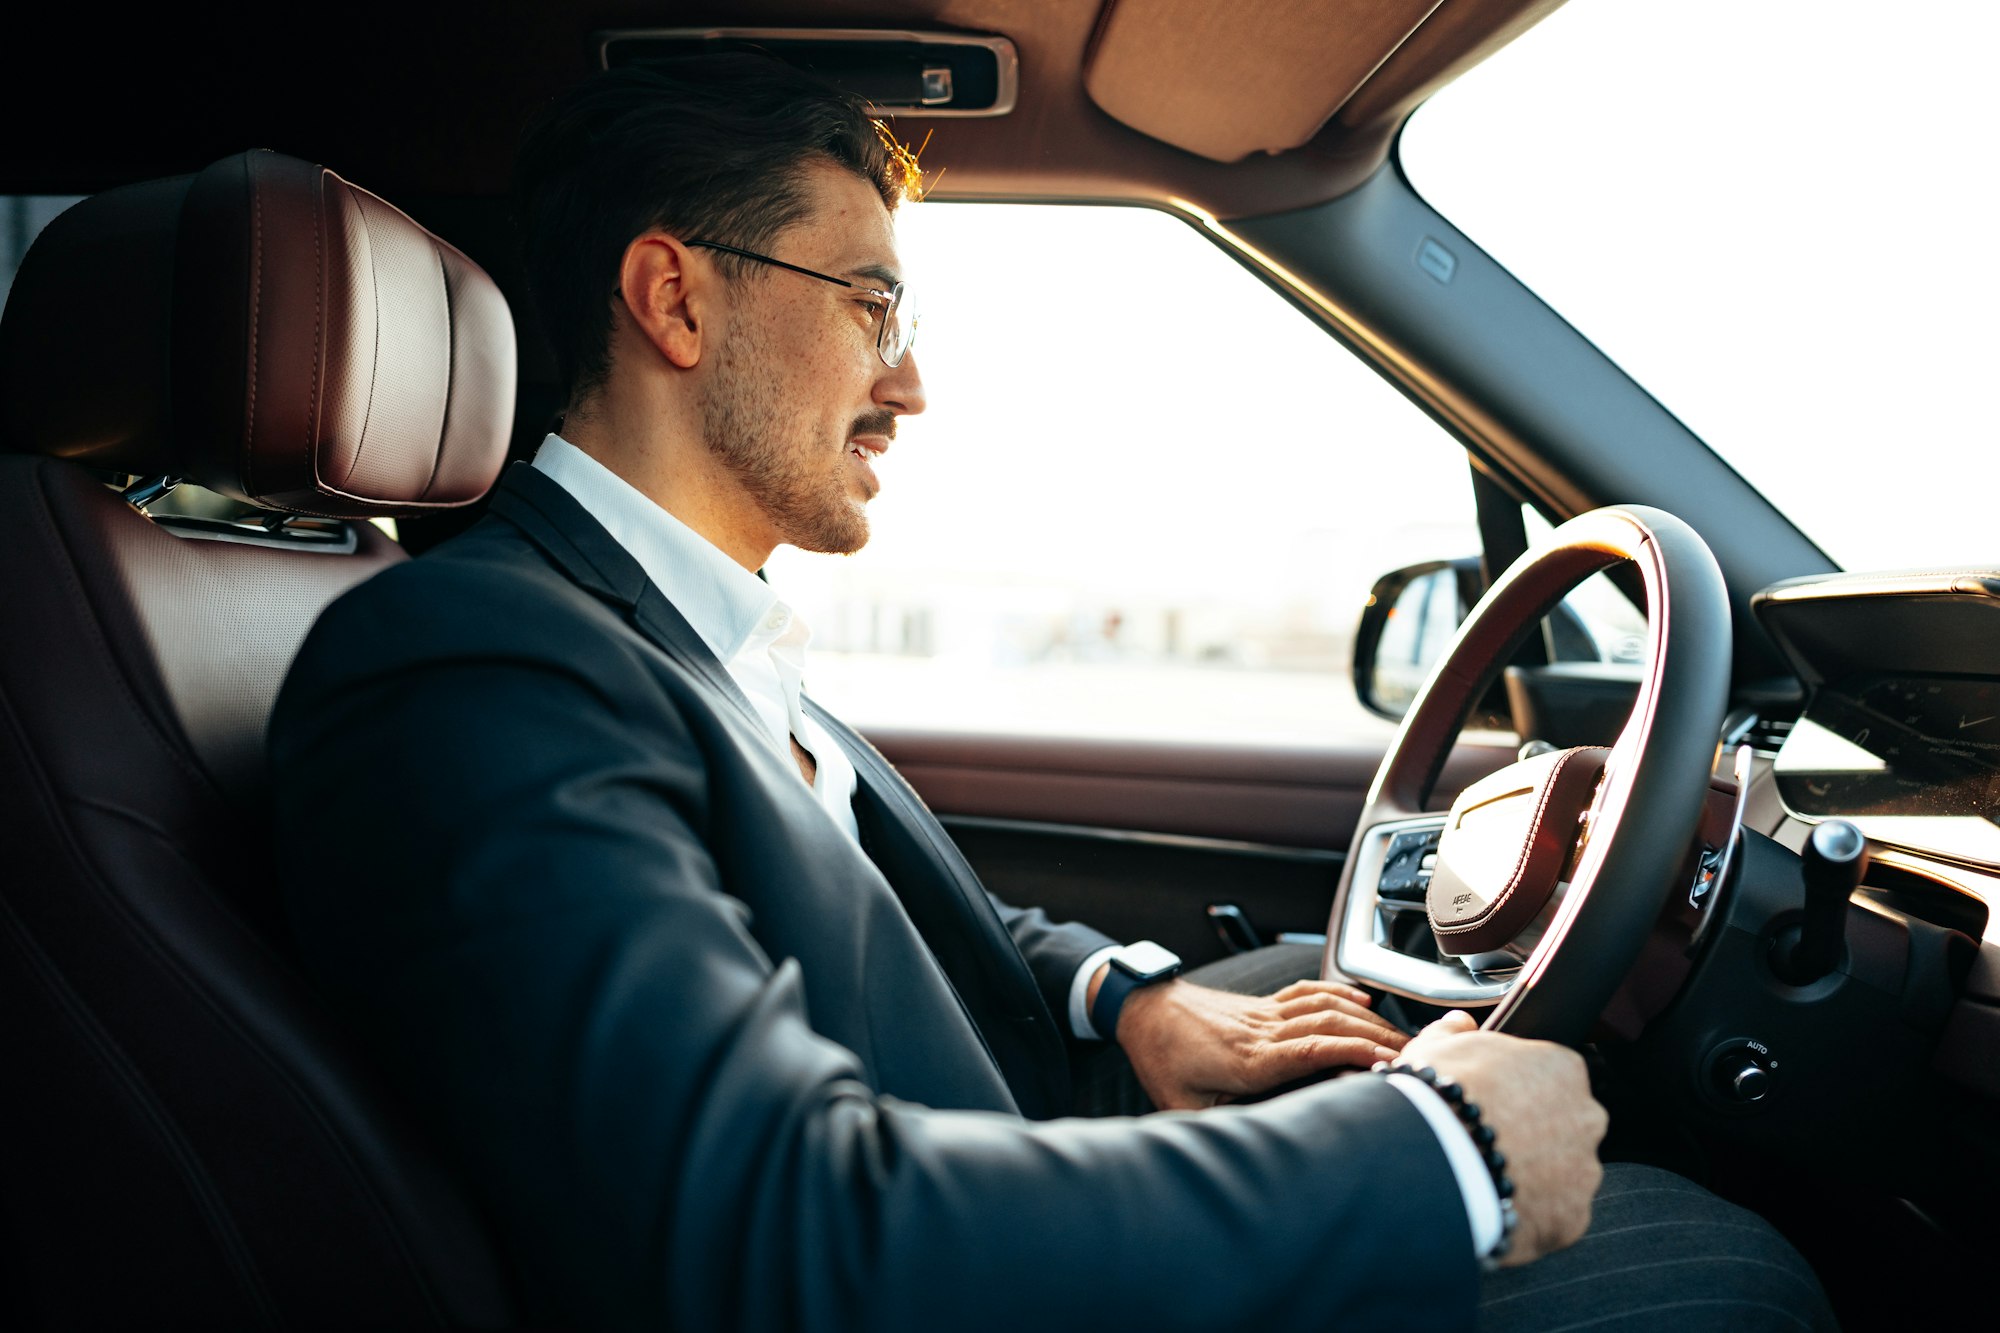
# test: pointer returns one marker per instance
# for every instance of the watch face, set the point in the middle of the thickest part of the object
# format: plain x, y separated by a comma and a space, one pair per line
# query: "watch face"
1146, 960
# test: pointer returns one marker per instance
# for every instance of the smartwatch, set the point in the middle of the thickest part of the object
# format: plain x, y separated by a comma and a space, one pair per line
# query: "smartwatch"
1135, 965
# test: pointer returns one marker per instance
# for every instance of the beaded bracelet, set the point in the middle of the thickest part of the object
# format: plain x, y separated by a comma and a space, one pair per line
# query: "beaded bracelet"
1467, 1112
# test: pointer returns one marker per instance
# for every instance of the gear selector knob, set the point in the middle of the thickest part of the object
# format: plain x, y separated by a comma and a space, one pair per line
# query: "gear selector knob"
1834, 859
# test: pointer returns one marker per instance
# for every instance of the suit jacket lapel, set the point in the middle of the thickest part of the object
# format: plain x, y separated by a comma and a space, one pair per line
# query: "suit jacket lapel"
951, 910
925, 868
578, 545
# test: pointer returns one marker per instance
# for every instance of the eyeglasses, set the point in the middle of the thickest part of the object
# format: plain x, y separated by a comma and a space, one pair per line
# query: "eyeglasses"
893, 336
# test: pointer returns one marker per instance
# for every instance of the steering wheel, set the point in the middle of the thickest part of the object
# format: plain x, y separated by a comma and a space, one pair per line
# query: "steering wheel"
1499, 854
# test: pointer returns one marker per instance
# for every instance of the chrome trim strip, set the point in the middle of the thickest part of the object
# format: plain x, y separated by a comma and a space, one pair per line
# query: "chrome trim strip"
1364, 953
1745, 759
1005, 94
1184, 841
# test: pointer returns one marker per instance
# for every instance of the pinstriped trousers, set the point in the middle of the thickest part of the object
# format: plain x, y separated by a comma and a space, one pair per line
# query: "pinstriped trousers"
1663, 1255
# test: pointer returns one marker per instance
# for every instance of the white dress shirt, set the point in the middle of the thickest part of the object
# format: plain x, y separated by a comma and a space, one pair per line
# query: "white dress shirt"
762, 642
759, 640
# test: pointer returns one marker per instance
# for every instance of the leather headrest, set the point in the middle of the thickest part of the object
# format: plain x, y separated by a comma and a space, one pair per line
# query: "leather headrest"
266, 330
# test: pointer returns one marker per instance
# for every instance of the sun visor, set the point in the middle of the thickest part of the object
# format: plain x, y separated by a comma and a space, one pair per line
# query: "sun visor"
1226, 81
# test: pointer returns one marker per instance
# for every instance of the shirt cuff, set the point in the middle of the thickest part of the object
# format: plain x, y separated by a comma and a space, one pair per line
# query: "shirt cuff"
1079, 994
1475, 1182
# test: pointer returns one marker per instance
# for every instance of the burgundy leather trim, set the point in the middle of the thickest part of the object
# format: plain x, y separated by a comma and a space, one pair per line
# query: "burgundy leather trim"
1284, 796
144, 984
1505, 845
285, 338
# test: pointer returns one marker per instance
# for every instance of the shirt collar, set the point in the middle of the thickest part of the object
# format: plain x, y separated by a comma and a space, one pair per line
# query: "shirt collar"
725, 603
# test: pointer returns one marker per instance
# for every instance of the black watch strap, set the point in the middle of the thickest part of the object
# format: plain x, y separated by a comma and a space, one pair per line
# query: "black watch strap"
1134, 966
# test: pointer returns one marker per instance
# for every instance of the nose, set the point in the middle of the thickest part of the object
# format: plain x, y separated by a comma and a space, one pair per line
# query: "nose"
902, 390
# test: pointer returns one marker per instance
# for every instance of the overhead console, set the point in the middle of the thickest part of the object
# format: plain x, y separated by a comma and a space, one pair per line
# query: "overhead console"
1901, 731
894, 71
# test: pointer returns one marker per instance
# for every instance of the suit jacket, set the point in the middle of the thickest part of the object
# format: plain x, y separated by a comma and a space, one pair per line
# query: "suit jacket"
708, 1065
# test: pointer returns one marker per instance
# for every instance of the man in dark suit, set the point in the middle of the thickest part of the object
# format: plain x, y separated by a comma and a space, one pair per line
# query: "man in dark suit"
702, 999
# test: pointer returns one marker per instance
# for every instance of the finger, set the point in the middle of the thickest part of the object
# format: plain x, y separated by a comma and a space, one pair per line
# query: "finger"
1299, 988
1323, 1003
1281, 1062
1596, 1123
1336, 1024
1454, 1022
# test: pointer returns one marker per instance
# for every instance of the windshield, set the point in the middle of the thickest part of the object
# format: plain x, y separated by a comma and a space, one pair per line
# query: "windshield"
1774, 217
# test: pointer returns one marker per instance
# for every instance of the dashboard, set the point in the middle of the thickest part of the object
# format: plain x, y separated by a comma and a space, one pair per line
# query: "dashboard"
1901, 729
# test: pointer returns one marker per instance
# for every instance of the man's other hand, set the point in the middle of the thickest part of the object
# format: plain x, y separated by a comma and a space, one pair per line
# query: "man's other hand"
1193, 1047
1536, 1097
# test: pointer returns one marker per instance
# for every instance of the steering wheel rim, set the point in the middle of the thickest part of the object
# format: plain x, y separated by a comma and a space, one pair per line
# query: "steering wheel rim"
1655, 778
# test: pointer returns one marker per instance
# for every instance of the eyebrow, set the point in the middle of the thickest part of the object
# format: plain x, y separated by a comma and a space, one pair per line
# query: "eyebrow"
877, 272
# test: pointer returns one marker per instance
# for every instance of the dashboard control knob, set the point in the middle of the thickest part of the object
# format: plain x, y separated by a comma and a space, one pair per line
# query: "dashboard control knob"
1741, 1073
1751, 1083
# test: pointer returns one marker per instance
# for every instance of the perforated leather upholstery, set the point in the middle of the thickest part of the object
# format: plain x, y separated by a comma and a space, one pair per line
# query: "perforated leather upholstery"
186, 1140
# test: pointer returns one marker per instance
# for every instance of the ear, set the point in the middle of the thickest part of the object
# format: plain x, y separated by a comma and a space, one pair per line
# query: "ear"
666, 296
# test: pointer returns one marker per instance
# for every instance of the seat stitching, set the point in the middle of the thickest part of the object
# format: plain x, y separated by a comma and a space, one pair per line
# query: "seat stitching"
1521, 861
147, 938
74, 582
149, 941
256, 308
320, 223
120, 1065
375, 353
450, 372
335, 1140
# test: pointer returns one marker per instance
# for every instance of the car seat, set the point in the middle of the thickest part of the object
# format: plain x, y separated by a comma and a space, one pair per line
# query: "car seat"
187, 1139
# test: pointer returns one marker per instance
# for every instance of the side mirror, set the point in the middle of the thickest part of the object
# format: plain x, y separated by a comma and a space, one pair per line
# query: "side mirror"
1410, 618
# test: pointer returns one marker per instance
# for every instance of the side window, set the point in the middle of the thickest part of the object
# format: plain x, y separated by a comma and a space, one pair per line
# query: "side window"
1147, 501
1616, 629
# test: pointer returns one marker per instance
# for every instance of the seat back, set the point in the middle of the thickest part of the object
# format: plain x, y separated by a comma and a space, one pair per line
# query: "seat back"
186, 1138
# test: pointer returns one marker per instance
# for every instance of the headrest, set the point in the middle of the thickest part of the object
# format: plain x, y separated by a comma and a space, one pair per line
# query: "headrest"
266, 330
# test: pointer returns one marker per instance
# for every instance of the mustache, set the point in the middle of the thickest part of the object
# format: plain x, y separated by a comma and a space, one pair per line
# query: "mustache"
881, 423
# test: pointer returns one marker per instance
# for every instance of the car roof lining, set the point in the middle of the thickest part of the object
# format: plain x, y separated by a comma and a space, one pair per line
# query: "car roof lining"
429, 100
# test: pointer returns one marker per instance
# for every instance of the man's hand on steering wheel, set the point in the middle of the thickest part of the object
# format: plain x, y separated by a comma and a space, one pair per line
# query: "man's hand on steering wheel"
1193, 1047
1535, 1096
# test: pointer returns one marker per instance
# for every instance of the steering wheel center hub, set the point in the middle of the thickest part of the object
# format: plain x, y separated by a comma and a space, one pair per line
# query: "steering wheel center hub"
1508, 841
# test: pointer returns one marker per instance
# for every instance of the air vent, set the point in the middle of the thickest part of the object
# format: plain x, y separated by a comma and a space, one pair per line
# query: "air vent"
898, 73
1763, 731
1768, 735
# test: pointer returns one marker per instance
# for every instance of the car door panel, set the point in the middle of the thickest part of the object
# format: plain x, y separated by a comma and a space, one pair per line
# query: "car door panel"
1139, 838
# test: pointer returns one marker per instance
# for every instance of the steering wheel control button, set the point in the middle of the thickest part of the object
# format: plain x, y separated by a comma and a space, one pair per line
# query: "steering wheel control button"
1705, 875
1741, 1073
1506, 845
1406, 867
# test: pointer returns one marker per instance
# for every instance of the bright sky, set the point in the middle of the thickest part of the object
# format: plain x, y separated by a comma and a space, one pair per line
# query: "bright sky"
1796, 268
1777, 217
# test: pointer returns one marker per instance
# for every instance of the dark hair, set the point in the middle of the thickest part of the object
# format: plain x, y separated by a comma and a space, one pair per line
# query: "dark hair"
707, 147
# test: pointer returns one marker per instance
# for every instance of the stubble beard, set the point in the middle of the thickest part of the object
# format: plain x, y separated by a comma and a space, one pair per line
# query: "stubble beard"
769, 448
